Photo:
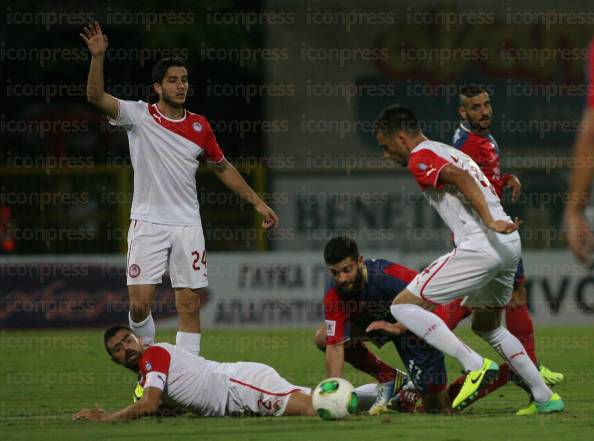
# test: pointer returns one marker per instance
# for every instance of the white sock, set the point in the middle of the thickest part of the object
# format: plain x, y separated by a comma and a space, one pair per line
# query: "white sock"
367, 394
145, 330
511, 349
434, 331
188, 341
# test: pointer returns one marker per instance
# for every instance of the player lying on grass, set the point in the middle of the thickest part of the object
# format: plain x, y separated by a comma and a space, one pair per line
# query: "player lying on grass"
480, 268
181, 381
361, 292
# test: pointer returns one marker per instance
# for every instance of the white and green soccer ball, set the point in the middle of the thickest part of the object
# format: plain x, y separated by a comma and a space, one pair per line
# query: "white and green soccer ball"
335, 399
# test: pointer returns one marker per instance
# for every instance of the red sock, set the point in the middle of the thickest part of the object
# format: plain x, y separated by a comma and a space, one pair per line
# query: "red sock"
501, 380
519, 323
363, 359
452, 313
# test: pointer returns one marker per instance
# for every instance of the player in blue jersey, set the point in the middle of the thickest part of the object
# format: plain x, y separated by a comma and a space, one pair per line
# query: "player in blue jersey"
361, 292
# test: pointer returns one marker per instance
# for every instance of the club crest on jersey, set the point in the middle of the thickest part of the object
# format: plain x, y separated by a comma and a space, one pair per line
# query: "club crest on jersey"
148, 366
422, 167
134, 271
197, 126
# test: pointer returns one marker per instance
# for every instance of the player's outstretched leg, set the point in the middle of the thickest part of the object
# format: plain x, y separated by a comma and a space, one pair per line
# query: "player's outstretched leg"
487, 325
434, 331
519, 323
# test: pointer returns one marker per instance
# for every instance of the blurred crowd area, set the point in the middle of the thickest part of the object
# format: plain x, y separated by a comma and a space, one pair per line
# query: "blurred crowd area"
291, 89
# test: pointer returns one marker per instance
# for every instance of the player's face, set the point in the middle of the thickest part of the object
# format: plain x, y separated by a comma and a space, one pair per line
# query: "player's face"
125, 349
174, 87
478, 112
347, 275
393, 146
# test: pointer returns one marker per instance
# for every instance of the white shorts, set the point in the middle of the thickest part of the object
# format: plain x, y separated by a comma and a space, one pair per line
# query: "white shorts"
154, 248
484, 275
258, 389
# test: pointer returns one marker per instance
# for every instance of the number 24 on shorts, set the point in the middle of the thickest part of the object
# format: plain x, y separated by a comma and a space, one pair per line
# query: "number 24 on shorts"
197, 260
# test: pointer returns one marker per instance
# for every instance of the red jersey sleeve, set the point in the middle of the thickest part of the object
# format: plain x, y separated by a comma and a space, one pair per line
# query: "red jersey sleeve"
212, 151
401, 272
590, 75
425, 166
337, 330
155, 359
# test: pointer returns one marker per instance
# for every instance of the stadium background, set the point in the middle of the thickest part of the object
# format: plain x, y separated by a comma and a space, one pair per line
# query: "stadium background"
291, 89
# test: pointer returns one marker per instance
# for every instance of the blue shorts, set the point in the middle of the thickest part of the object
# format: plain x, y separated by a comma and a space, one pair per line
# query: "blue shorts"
520, 276
425, 364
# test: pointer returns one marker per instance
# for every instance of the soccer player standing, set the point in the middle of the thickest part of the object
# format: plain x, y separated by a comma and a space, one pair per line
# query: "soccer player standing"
474, 138
480, 268
166, 144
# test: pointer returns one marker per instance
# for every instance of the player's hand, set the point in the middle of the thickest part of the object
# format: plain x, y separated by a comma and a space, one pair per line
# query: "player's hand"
580, 237
382, 325
96, 414
514, 183
504, 227
270, 217
96, 41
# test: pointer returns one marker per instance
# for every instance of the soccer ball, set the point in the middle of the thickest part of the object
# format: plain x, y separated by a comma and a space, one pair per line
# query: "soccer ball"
334, 399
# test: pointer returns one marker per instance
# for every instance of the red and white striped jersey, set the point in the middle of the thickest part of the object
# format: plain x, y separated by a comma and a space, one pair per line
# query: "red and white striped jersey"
165, 154
426, 162
187, 380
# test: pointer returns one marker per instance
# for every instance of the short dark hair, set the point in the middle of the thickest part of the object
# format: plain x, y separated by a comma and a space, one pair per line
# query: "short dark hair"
471, 90
161, 66
395, 118
339, 248
111, 332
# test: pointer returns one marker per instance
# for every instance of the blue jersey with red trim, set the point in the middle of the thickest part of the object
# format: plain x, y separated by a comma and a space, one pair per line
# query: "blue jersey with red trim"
483, 150
384, 281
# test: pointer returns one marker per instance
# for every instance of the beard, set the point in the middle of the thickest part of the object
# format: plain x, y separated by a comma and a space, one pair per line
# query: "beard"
353, 287
168, 99
132, 363
480, 126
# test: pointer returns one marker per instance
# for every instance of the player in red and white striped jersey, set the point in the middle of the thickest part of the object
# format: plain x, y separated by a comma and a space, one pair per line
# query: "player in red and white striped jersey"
179, 380
166, 144
474, 138
480, 268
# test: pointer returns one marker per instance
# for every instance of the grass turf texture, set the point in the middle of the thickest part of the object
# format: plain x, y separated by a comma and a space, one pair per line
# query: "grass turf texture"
45, 376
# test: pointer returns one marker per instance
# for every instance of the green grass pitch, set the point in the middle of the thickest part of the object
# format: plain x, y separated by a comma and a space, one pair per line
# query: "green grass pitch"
45, 376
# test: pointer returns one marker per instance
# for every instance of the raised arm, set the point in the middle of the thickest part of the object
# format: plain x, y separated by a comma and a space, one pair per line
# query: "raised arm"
451, 174
229, 176
97, 43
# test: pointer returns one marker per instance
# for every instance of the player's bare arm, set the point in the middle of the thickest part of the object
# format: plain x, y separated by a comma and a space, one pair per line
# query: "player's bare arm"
334, 360
229, 176
451, 174
97, 44
513, 182
579, 232
148, 405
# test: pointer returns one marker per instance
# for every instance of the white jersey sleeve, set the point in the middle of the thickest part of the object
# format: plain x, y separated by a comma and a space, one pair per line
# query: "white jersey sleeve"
129, 113
426, 162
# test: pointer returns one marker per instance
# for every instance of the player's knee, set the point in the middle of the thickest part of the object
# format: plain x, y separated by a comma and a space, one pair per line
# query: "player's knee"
492, 336
139, 309
320, 340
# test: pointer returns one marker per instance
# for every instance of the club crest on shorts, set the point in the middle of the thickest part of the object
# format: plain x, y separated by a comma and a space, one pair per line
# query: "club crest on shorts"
134, 271
197, 126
